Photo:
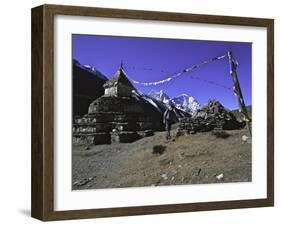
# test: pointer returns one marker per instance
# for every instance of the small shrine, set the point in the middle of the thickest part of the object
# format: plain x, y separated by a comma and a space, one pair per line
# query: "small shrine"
119, 85
117, 116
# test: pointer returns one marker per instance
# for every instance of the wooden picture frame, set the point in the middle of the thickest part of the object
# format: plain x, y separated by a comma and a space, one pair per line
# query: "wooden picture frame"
42, 203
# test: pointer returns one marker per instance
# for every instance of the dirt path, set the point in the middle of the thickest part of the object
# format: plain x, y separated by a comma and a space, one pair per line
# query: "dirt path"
199, 158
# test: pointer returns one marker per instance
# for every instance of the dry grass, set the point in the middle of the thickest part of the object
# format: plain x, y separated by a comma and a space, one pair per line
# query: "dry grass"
220, 134
191, 159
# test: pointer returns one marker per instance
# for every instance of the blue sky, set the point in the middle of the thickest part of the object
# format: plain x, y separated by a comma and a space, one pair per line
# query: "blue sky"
152, 59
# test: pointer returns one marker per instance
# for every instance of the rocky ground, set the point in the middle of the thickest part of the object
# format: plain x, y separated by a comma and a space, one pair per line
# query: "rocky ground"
152, 161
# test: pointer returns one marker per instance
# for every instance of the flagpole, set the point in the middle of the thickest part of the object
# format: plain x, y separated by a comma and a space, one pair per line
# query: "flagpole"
237, 91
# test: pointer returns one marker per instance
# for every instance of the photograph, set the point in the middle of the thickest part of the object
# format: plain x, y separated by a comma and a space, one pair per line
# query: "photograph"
140, 112
156, 112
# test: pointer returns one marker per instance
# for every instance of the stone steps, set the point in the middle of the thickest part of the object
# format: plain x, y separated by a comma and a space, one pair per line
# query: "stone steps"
124, 136
107, 127
91, 138
113, 117
94, 138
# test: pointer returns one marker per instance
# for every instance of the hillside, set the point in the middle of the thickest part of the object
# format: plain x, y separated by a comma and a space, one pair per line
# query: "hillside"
191, 159
87, 86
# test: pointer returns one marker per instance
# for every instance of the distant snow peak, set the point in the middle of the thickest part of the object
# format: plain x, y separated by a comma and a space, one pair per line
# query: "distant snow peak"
186, 103
140, 96
183, 102
92, 69
160, 96
88, 66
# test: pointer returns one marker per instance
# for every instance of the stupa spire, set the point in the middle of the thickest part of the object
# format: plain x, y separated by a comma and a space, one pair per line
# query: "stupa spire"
121, 65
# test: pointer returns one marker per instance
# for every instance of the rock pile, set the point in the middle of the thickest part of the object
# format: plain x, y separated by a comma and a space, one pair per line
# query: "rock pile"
117, 116
212, 116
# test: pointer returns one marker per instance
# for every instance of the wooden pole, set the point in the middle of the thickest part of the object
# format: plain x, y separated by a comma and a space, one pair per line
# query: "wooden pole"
238, 92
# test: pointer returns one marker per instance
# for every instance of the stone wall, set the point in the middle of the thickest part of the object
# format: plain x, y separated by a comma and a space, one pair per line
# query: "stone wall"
116, 119
212, 116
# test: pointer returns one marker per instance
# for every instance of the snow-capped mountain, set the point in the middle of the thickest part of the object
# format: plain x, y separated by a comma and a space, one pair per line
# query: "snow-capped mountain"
89, 68
158, 104
94, 71
159, 95
186, 103
183, 102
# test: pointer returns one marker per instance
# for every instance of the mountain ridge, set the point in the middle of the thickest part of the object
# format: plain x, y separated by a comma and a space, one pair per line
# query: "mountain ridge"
183, 101
83, 80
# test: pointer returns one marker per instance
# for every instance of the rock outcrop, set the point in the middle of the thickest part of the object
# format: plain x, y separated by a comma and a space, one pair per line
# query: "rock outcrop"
212, 116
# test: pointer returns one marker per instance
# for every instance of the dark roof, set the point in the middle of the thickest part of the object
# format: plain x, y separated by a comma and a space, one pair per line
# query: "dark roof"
119, 77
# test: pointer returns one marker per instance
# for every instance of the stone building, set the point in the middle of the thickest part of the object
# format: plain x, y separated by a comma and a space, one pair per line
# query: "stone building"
117, 116
119, 85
